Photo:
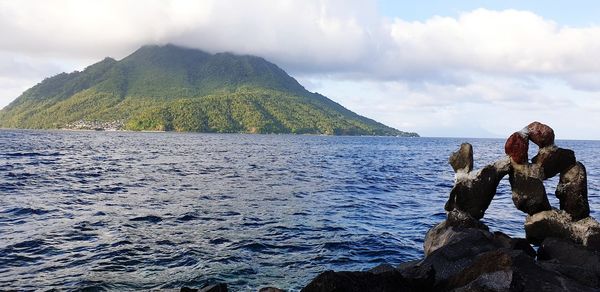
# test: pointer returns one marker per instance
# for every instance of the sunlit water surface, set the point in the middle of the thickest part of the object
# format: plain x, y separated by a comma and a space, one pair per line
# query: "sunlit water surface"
131, 211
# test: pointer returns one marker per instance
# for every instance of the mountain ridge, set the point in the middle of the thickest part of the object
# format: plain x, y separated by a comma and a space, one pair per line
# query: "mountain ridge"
174, 88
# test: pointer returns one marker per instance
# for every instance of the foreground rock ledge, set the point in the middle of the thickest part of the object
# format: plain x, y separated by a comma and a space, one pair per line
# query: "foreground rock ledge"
474, 259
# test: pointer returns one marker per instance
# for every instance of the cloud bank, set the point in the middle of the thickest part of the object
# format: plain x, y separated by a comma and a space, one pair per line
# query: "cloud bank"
506, 58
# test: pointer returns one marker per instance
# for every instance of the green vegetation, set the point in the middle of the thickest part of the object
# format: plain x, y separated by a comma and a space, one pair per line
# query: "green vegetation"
177, 89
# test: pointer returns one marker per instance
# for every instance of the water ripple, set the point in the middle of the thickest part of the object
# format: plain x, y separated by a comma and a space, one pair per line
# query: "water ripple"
141, 211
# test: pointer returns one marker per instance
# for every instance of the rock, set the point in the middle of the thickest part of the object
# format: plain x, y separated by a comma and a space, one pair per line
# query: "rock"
553, 223
554, 160
530, 276
540, 134
270, 289
567, 252
571, 260
458, 218
408, 265
462, 160
579, 274
473, 192
331, 281
587, 232
528, 192
504, 241
558, 224
416, 272
494, 281
483, 263
489, 269
382, 269
221, 287
516, 147
444, 234
572, 192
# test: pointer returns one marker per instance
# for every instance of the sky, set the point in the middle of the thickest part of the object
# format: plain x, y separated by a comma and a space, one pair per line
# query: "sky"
439, 68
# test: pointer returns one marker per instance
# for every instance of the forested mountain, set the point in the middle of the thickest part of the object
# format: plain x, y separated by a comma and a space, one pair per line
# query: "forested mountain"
172, 88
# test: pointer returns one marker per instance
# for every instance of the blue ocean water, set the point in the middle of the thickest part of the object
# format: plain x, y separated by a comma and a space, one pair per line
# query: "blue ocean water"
130, 211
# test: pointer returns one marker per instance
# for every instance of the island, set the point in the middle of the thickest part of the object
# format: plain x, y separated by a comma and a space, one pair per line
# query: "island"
172, 88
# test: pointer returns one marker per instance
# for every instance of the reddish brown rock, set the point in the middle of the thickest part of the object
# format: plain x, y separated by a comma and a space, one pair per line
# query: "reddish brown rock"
540, 134
516, 147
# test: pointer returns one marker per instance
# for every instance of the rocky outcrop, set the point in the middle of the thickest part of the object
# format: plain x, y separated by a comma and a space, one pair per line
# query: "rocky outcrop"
462, 254
473, 259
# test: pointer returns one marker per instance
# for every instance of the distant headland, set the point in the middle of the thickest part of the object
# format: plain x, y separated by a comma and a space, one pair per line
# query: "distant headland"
171, 88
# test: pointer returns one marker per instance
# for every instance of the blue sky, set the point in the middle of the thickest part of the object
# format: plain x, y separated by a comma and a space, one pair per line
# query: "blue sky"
573, 13
440, 68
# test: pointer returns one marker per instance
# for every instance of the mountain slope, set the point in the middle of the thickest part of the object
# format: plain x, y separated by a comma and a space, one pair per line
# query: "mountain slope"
180, 89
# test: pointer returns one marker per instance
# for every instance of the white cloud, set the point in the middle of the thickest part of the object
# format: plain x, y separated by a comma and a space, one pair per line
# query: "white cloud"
344, 37
496, 42
416, 75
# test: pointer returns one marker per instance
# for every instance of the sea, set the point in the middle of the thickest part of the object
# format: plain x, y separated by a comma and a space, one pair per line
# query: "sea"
125, 211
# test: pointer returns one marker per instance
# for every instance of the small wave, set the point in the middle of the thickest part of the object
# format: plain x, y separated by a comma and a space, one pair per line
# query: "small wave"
26, 211
31, 154
187, 217
148, 218
219, 240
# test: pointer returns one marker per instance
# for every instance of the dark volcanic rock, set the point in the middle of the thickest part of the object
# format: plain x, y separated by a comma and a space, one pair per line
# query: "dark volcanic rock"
587, 232
567, 252
462, 160
270, 289
540, 134
444, 234
221, 287
553, 223
505, 241
458, 218
476, 261
571, 260
382, 269
572, 192
558, 224
473, 192
331, 281
528, 192
516, 147
554, 160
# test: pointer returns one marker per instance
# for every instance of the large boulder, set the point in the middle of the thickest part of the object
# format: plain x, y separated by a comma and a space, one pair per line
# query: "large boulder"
552, 223
587, 232
528, 191
476, 260
572, 260
554, 160
444, 234
572, 192
516, 147
558, 224
540, 134
473, 192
